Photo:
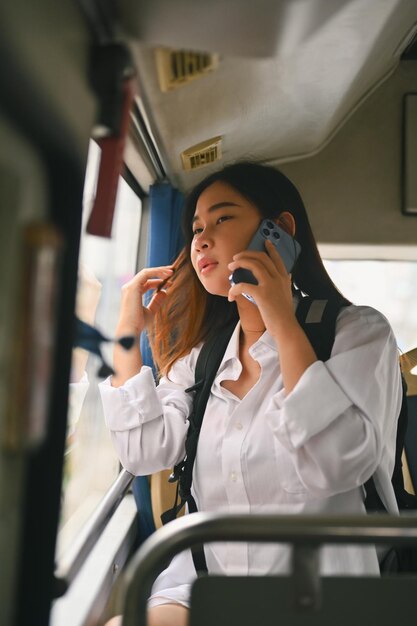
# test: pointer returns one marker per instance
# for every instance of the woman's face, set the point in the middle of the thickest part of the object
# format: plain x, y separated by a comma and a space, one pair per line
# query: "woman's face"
224, 224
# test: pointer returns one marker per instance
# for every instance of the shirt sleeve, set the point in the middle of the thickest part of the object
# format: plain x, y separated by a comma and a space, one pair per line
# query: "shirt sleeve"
148, 423
339, 422
77, 392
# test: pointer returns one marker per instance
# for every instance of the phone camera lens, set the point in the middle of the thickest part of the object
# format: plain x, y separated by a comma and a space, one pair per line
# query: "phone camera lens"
265, 232
270, 225
276, 235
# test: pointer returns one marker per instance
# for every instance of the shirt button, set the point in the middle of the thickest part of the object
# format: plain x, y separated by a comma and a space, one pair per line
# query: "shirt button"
233, 477
238, 426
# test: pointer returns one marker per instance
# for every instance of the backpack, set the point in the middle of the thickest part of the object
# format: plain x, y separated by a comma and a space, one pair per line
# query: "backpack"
318, 320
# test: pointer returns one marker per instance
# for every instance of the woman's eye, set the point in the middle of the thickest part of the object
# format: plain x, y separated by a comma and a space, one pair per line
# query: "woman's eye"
221, 219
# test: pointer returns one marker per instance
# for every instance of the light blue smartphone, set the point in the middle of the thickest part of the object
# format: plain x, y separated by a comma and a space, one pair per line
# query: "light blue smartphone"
287, 246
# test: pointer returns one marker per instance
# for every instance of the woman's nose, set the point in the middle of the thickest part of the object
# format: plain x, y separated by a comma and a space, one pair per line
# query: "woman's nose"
202, 242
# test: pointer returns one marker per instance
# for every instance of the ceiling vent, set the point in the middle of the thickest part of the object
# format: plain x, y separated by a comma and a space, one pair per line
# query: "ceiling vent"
202, 154
178, 67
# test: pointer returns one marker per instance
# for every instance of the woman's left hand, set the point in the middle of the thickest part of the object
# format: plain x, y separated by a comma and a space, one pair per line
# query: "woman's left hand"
272, 294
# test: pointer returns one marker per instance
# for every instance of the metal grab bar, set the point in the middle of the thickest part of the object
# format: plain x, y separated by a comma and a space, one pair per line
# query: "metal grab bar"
304, 532
86, 540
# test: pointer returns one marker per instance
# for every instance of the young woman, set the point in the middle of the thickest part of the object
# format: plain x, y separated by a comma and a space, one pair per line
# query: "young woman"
317, 430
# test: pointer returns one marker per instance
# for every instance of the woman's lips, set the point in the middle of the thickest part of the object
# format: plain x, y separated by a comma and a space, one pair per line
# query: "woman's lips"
205, 262
207, 268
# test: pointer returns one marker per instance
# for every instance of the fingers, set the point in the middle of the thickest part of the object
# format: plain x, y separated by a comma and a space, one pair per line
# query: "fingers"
151, 274
275, 257
257, 262
261, 268
166, 282
154, 283
158, 284
261, 292
148, 278
154, 275
242, 288
157, 301
267, 267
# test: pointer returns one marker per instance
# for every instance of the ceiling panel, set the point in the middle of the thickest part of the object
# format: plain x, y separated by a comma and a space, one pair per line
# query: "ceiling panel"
287, 105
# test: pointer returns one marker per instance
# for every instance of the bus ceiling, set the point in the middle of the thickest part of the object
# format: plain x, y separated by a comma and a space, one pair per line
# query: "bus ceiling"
288, 77
236, 28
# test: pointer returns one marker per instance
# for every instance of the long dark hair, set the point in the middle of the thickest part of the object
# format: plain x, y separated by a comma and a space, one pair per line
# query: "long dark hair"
196, 314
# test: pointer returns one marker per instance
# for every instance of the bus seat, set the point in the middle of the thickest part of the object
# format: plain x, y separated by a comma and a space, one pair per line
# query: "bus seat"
408, 482
408, 362
153, 495
269, 601
411, 444
162, 495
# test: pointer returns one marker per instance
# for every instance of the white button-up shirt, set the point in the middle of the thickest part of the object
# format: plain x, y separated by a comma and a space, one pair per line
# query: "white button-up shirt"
309, 451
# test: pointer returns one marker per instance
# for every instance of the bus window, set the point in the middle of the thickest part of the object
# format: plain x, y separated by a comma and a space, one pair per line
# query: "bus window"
389, 286
91, 465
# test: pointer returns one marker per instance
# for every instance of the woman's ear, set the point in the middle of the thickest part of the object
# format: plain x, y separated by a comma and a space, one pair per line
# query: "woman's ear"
287, 222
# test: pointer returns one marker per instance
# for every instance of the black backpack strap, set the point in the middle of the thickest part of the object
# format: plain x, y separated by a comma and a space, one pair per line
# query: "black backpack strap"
318, 320
208, 363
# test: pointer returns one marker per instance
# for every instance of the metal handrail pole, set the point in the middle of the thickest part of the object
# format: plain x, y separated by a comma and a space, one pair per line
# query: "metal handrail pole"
157, 551
86, 540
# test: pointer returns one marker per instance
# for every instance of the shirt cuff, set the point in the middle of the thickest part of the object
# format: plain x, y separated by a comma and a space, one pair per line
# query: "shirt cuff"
77, 393
132, 404
312, 406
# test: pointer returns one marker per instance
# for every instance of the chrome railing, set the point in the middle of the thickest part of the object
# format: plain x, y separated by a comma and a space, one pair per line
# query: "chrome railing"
72, 562
305, 533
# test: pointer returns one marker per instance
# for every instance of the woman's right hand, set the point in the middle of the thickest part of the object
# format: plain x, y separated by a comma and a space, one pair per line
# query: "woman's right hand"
134, 317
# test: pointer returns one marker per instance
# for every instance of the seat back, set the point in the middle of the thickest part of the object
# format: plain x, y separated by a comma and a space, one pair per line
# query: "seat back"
411, 439
271, 601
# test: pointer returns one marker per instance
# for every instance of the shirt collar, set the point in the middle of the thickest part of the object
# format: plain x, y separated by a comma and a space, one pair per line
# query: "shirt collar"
232, 350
